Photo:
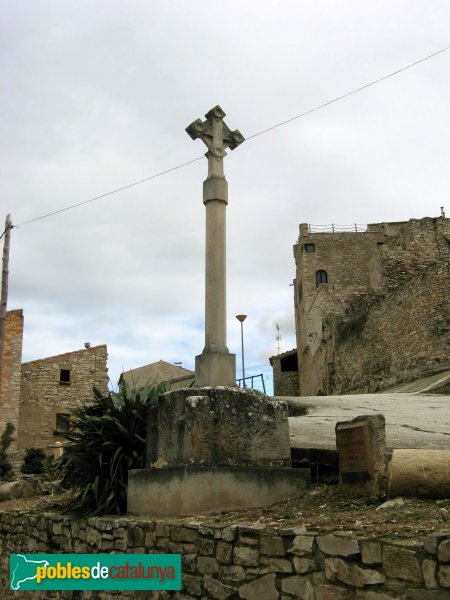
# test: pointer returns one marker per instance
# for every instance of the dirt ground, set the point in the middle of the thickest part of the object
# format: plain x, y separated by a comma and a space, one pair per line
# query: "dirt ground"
323, 508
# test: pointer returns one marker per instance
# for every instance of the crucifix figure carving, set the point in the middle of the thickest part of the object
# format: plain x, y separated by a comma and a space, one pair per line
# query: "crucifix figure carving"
215, 366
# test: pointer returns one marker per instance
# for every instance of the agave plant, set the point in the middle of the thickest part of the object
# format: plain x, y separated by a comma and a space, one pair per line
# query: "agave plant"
106, 439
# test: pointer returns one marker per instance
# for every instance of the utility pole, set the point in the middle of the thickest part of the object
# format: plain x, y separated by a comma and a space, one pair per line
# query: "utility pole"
4, 294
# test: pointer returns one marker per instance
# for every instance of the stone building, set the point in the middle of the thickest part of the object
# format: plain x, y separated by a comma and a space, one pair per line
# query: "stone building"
38, 397
285, 373
161, 371
372, 308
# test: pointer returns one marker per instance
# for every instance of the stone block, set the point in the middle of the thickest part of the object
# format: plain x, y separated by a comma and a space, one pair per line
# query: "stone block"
301, 545
260, 589
332, 592
224, 552
444, 576
304, 565
234, 573
429, 573
218, 590
444, 551
361, 446
207, 565
215, 369
337, 569
204, 426
277, 565
12, 490
272, 545
190, 490
400, 563
337, 546
371, 595
183, 534
229, 534
192, 584
205, 546
246, 556
298, 586
412, 594
370, 552
430, 545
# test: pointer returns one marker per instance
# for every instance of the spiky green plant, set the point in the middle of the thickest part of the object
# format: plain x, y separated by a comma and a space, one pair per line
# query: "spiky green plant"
106, 439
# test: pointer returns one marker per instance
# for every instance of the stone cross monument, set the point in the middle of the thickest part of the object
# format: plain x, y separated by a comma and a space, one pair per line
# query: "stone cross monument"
215, 366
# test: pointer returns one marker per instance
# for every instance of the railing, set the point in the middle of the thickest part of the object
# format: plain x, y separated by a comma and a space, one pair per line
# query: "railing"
333, 228
240, 382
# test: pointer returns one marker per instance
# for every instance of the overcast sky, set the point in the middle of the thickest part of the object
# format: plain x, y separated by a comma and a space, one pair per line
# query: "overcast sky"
97, 94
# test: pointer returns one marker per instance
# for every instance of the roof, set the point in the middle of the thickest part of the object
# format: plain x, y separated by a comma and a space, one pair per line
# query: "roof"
283, 355
158, 372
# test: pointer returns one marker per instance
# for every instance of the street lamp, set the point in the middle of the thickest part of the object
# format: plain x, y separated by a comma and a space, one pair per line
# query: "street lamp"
242, 318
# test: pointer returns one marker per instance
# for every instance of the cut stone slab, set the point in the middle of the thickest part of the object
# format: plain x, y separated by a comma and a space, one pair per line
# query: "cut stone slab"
361, 446
190, 490
419, 473
220, 427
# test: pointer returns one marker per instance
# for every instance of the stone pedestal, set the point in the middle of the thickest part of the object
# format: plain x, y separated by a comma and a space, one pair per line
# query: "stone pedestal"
215, 368
215, 448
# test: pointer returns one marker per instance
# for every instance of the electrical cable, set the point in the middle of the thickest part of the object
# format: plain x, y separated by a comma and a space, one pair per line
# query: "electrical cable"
308, 112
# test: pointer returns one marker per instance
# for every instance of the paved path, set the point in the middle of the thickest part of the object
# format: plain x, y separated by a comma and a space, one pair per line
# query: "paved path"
412, 420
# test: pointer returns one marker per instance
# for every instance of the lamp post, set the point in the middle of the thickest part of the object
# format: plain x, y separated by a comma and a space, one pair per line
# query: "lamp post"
242, 318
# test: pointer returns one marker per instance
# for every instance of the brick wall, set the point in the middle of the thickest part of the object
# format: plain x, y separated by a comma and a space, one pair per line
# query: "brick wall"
229, 562
43, 395
11, 371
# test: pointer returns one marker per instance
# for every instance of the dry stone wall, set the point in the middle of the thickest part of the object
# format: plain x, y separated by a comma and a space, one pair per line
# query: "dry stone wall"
229, 562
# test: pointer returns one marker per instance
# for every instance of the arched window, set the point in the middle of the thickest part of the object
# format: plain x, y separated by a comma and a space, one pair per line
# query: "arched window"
321, 277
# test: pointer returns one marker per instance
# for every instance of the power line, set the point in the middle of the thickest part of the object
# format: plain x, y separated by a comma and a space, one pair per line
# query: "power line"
125, 187
308, 112
363, 87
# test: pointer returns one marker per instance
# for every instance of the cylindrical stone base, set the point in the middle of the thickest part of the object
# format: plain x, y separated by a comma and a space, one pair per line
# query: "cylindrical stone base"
419, 473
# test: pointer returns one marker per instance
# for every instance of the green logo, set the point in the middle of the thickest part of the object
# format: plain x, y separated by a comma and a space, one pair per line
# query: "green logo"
95, 571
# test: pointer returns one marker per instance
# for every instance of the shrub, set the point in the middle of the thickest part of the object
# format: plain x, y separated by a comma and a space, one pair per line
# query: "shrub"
5, 442
106, 439
33, 462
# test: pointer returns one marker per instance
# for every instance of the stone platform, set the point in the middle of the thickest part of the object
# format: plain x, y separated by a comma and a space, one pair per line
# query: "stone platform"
194, 490
212, 449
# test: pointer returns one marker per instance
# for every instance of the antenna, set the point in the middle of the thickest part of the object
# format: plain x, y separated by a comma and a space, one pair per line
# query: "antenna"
278, 338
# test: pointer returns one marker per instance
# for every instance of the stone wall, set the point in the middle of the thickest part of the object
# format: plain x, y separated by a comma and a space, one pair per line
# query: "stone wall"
227, 562
285, 373
46, 393
11, 372
383, 316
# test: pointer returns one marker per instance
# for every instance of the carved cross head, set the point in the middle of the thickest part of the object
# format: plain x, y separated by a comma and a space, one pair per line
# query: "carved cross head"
215, 133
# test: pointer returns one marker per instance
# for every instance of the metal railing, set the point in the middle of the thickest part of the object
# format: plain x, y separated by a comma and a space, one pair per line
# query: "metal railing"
333, 228
240, 382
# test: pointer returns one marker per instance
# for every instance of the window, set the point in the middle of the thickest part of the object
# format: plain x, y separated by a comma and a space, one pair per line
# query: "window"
300, 292
64, 376
289, 363
321, 277
310, 248
62, 423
